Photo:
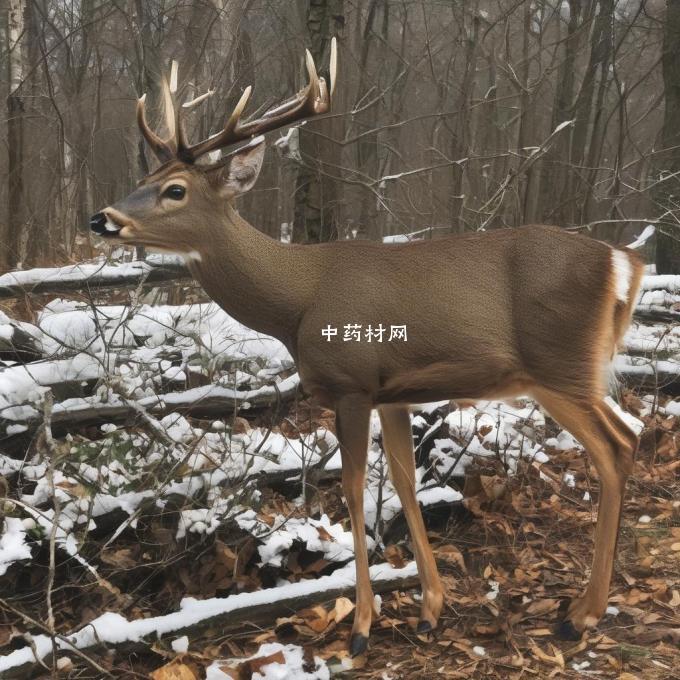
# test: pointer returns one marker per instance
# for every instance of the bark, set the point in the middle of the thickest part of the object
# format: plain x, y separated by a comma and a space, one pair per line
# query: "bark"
554, 172
367, 148
587, 108
16, 203
461, 129
316, 214
666, 194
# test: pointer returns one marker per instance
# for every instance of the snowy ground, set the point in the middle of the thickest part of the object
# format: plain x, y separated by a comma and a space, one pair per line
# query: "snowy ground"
212, 471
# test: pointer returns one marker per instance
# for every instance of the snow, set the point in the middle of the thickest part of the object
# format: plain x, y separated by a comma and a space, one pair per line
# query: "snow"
494, 590
646, 234
633, 423
295, 667
113, 628
318, 536
486, 429
673, 408
438, 494
563, 125
20, 384
405, 238
13, 544
180, 645
669, 282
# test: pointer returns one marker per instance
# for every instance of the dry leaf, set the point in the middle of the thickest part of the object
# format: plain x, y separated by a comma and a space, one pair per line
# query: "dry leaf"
556, 660
176, 670
324, 535
395, 556
343, 607
451, 553
315, 618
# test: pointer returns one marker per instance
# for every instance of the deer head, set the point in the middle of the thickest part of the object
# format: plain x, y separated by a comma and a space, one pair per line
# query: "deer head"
169, 206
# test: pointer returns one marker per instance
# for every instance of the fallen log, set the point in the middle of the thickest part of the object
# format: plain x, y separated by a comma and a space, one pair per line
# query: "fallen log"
19, 341
656, 314
113, 631
93, 277
210, 401
669, 282
636, 372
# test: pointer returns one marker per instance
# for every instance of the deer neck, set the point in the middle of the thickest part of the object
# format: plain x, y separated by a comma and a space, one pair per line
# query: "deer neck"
261, 282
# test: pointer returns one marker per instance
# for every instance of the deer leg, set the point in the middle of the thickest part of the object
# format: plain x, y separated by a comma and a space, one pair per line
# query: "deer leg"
398, 444
352, 414
611, 446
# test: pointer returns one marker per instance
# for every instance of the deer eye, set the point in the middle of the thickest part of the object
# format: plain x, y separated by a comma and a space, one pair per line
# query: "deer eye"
175, 191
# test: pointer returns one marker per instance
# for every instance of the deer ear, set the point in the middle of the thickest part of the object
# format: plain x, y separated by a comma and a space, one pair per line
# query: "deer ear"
238, 173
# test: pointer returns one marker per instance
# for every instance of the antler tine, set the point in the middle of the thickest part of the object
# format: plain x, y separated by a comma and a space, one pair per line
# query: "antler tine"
182, 142
169, 107
228, 135
197, 100
333, 66
164, 152
313, 85
313, 99
236, 114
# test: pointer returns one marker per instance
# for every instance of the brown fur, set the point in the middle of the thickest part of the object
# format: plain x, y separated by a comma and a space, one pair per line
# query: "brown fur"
522, 311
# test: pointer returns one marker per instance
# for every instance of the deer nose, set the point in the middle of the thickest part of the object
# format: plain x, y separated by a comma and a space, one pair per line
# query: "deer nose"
98, 223
103, 225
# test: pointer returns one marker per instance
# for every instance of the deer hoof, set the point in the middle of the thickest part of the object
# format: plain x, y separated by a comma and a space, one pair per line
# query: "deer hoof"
565, 630
358, 644
424, 627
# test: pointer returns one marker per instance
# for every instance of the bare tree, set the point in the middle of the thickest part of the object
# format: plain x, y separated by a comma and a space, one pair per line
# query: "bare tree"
667, 193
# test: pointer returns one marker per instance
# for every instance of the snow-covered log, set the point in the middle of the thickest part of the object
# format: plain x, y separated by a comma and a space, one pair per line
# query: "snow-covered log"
18, 341
112, 630
210, 401
94, 276
639, 372
668, 282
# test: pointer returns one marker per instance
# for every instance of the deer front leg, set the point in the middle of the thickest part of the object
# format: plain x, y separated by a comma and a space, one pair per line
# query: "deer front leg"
398, 444
352, 417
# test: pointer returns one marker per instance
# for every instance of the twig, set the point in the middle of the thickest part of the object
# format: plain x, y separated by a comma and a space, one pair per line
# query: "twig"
53, 454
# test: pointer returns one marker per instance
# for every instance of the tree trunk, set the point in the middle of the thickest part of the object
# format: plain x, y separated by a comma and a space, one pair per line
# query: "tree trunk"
316, 204
554, 171
586, 108
667, 193
16, 204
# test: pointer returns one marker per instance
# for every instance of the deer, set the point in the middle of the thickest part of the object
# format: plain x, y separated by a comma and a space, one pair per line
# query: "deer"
534, 310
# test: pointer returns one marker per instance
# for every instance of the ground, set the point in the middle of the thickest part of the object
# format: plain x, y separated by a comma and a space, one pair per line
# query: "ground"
508, 555
170, 507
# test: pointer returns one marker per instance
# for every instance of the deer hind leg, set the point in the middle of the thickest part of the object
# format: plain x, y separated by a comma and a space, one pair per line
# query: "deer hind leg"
611, 445
352, 418
398, 444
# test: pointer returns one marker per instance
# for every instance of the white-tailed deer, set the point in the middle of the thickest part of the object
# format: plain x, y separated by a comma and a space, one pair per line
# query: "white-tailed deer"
534, 311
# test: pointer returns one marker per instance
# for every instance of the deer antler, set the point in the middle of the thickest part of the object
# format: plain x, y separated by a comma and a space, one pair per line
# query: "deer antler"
313, 100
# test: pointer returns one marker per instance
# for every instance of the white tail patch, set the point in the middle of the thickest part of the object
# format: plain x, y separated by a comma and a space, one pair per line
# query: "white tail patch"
623, 274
